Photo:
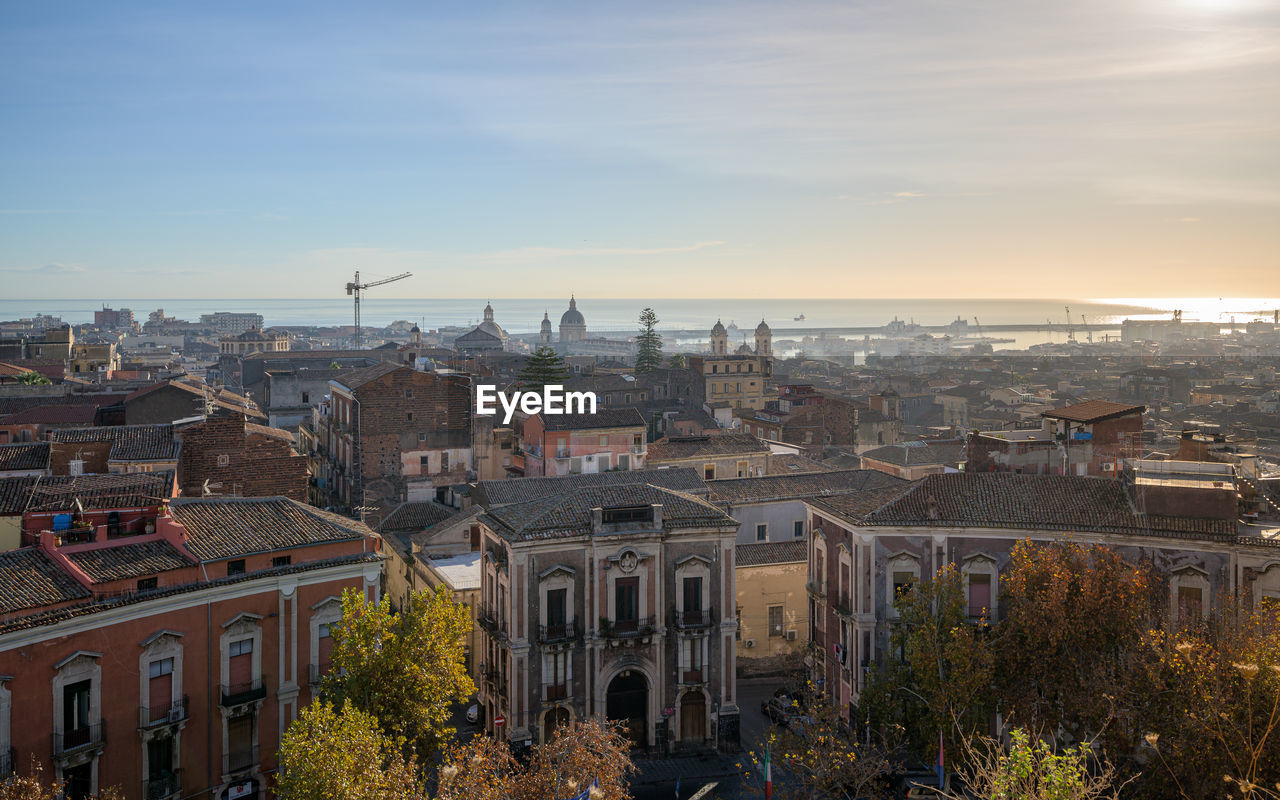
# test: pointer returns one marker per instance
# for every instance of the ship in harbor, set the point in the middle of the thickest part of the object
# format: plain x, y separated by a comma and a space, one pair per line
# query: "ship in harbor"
800, 318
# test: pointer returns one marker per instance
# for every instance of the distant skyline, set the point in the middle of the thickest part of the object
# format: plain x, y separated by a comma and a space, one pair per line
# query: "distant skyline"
1099, 148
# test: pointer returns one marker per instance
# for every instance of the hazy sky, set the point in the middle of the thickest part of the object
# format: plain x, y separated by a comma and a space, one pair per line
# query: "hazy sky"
1093, 148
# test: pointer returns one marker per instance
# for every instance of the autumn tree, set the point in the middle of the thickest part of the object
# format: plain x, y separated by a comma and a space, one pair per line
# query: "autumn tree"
330, 753
33, 786
1032, 770
941, 681
648, 343
583, 756
1069, 645
544, 367
1211, 715
817, 756
406, 670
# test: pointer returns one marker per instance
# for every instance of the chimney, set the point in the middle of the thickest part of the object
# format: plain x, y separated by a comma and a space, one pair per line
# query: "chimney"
931, 505
657, 516
597, 520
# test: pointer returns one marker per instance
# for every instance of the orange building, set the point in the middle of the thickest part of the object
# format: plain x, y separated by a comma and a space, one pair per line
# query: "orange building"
165, 651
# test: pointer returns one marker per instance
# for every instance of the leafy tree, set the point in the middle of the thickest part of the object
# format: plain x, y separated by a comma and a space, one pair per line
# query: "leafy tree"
1069, 645
648, 343
32, 787
33, 378
406, 670
942, 682
1030, 770
579, 756
1212, 710
818, 757
677, 361
332, 753
545, 367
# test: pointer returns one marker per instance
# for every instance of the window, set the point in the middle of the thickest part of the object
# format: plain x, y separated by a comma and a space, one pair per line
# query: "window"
737, 617
409, 416
424, 463
444, 461
408, 394
281, 561
709, 472
306, 398
1190, 599
555, 615
240, 749
744, 469
775, 621
798, 528
604, 441
147, 584
762, 532
240, 647
422, 436
626, 601
235, 567
979, 594
693, 597
902, 583
75, 707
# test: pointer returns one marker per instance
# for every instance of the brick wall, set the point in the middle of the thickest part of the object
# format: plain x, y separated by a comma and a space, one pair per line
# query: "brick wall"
255, 465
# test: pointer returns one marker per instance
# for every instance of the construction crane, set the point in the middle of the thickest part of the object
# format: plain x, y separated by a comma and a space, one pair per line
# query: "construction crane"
978, 325
1071, 331
1085, 321
355, 287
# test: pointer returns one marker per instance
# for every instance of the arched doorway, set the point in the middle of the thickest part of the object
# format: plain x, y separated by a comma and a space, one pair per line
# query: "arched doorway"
627, 701
551, 720
693, 718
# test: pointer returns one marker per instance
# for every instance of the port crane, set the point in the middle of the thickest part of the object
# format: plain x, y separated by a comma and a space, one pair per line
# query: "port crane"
355, 287
1085, 321
1071, 331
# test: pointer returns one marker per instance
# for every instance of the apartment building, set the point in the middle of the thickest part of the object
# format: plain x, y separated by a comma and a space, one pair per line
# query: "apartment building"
565, 444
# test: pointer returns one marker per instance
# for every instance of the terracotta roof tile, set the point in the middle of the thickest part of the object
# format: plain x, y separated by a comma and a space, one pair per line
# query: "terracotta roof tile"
1093, 411
415, 516
519, 490
757, 554
28, 579
570, 513
60, 492
719, 444
129, 442
30, 455
226, 527
129, 561
795, 487
603, 418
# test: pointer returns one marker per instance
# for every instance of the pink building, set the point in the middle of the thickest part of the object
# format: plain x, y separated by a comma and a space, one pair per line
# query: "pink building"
567, 444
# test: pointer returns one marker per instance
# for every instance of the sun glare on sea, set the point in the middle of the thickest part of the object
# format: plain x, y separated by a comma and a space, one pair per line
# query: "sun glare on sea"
1204, 309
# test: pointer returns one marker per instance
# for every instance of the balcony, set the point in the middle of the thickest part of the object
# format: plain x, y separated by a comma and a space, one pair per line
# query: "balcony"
562, 452
843, 606
84, 738
691, 619
240, 759
167, 714
235, 694
559, 634
693, 677
816, 588
491, 620
626, 628
551, 692
638, 449
161, 787
316, 673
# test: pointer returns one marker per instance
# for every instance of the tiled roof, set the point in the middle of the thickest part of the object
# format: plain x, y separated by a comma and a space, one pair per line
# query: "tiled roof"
794, 464
1035, 502
759, 553
53, 415
31, 455
1093, 411
60, 493
28, 579
793, 487
917, 454
354, 379
520, 490
603, 418
264, 430
569, 513
227, 527
220, 397
719, 444
129, 561
415, 516
855, 506
129, 442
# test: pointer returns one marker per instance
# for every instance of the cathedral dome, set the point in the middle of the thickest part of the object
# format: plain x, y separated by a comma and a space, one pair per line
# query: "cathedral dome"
718, 328
762, 327
573, 316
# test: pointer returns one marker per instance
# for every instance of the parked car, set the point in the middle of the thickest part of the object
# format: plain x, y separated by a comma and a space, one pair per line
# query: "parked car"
783, 709
473, 713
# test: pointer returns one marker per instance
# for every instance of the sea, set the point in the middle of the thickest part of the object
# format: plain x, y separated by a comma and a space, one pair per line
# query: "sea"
523, 315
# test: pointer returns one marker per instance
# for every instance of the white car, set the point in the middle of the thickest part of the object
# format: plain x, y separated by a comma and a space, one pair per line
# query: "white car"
473, 713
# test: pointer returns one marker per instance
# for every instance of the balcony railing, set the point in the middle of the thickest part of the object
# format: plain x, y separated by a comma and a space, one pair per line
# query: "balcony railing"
563, 632
562, 452
843, 605
693, 618
161, 787
166, 714
316, 673
626, 628
89, 736
638, 449
234, 694
555, 691
240, 759
816, 589
489, 618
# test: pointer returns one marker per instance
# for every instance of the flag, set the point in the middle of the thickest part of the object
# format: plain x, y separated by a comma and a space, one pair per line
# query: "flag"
768, 775
940, 768
677, 787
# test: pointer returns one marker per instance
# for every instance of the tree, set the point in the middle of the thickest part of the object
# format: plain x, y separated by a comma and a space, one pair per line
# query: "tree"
1068, 649
677, 361
648, 343
406, 670
33, 378
332, 753
1032, 771
1212, 710
545, 367
818, 757
942, 683
33, 787
591, 755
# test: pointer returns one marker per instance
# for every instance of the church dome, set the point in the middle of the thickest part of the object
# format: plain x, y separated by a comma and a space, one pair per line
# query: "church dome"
573, 316
546, 322
762, 328
718, 329
415, 329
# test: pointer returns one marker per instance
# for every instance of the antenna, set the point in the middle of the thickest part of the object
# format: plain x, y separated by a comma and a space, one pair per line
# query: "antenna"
355, 287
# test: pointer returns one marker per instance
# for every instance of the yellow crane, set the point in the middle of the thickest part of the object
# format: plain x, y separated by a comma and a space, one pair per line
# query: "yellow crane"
355, 287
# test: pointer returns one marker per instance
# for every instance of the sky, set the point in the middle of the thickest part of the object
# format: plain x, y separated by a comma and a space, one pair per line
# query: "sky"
1092, 148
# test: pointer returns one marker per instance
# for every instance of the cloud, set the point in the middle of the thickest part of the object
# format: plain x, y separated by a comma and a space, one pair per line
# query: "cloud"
547, 253
50, 269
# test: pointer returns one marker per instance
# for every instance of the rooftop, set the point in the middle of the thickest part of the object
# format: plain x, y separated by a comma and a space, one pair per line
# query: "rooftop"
519, 490
604, 418
761, 553
226, 527
1093, 411
570, 513
129, 442
62, 492
26, 456
460, 572
129, 560
794, 487
912, 454
719, 444
415, 516
29, 579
